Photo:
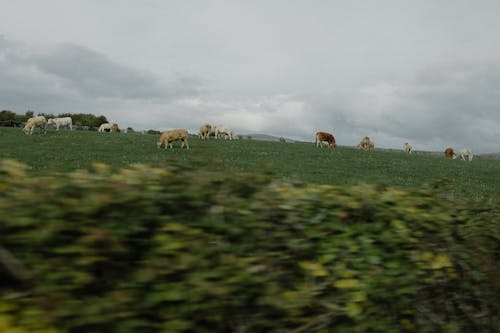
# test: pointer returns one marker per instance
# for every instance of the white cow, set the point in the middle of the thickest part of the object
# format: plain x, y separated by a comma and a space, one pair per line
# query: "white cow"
466, 152
107, 127
65, 121
224, 132
39, 121
408, 148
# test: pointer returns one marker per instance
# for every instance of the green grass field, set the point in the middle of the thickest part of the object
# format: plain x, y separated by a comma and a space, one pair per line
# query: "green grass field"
66, 151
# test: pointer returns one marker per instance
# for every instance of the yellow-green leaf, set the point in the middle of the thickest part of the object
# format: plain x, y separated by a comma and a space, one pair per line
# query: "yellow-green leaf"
346, 284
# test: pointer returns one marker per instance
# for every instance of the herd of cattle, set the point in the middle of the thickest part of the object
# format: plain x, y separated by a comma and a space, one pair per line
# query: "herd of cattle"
41, 122
367, 144
220, 132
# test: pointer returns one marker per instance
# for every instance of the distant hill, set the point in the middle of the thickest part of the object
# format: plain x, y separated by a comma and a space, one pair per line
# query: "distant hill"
264, 137
495, 156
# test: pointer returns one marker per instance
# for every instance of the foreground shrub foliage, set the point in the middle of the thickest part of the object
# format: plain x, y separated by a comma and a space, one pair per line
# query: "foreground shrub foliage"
171, 249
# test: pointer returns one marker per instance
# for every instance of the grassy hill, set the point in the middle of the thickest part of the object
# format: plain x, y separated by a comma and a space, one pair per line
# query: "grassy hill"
67, 151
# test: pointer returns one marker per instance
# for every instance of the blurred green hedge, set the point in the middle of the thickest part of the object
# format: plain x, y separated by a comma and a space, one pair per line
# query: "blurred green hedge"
174, 249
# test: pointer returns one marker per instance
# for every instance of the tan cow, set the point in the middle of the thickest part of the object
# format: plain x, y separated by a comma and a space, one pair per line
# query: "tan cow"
366, 144
449, 153
168, 137
371, 145
323, 136
205, 131
34, 122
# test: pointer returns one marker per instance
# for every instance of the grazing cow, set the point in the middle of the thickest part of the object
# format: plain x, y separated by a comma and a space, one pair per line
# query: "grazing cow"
212, 132
371, 145
363, 143
282, 139
39, 121
323, 136
107, 127
205, 131
408, 148
168, 137
58, 122
224, 132
366, 144
449, 153
466, 152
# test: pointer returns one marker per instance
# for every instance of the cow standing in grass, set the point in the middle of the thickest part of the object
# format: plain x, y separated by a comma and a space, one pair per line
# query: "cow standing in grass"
449, 153
366, 144
64, 121
168, 137
224, 132
205, 131
465, 154
324, 136
34, 122
408, 148
107, 127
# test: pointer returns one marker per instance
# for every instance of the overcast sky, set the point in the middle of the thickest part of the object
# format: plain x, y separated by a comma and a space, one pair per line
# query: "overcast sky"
425, 72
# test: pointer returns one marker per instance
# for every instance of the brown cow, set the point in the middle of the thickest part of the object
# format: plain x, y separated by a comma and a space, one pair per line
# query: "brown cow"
449, 153
167, 137
323, 136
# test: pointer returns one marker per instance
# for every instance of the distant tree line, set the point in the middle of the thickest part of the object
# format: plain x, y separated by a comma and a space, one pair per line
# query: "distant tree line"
11, 119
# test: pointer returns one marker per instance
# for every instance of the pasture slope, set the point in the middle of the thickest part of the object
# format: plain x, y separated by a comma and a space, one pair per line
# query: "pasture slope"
71, 150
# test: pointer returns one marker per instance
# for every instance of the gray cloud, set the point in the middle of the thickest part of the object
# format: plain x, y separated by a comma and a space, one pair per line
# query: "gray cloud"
69, 71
